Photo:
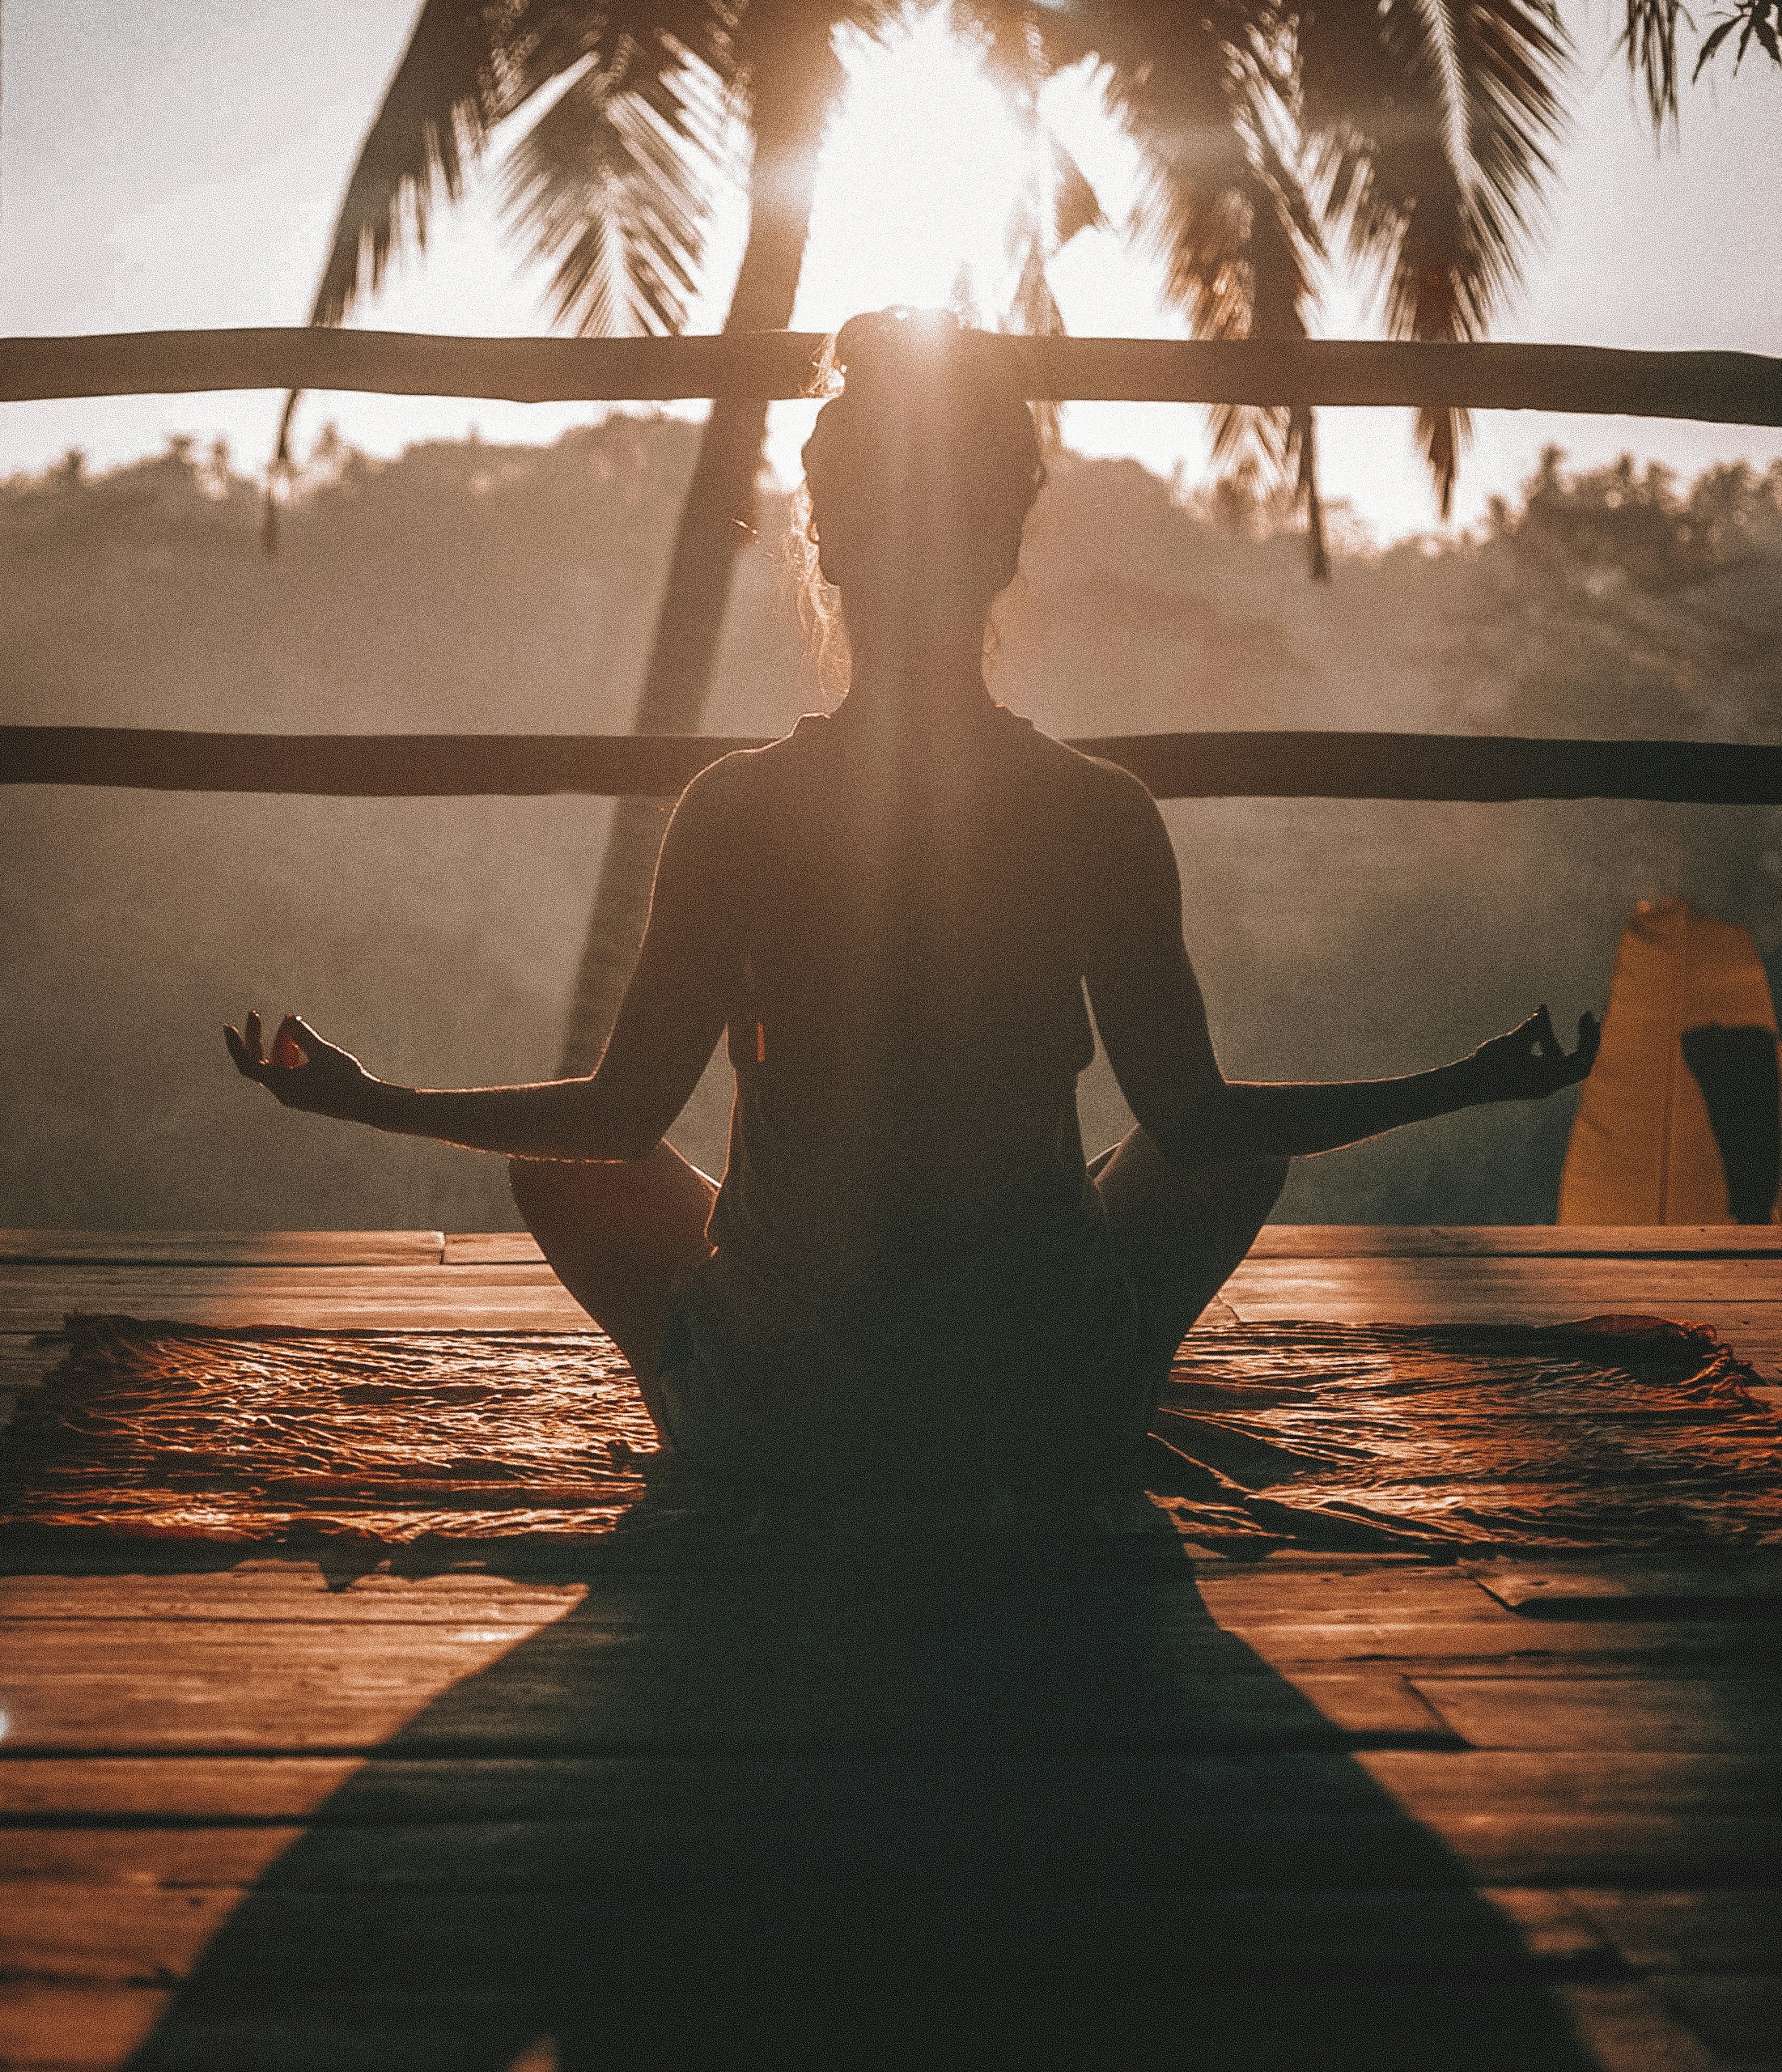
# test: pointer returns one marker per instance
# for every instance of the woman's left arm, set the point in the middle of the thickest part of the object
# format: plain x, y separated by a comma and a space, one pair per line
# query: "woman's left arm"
668, 1026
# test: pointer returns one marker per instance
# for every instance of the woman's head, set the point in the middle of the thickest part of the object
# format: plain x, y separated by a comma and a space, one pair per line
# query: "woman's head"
921, 472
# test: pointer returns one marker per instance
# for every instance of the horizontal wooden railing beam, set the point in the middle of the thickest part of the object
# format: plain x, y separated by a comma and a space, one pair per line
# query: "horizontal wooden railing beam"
1719, 387
1485, 768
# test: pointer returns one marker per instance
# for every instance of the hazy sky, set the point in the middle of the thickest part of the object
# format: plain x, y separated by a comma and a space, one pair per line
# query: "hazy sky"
167, 163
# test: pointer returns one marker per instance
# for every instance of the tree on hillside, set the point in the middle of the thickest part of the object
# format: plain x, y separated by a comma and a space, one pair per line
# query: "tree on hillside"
1416, 131
1614, 600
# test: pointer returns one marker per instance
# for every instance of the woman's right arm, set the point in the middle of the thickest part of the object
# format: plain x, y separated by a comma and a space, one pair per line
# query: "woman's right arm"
668, 1026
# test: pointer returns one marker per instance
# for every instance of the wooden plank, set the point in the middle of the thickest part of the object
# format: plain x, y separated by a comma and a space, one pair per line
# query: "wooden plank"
279, 1591
1336, 1241
466, 1942
1728, 1587
1044, 1830
492, 1248
1430, 1786
52, 2028
1708, 1714
1275, 763
273, 1588
1037, 1824
1238, 1595
1726, 1929
223, 1247
37, 1648
1710, 387
585, 1684
1368, 1287
1275, 1240
1626, 2028
1493, 2024
1543, 1648
57, 2028
1551, 1285
36, 1298
1739, 1294
1645, 1781
1738, 2017
56, 1789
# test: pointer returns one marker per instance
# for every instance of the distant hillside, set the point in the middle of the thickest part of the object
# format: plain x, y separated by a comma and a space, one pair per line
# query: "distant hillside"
468, 587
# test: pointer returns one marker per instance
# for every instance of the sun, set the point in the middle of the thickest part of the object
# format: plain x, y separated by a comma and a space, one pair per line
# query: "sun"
920, 172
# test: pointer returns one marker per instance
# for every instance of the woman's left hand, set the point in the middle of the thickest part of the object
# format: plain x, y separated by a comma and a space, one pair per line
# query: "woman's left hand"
1529, 1062
305, 1071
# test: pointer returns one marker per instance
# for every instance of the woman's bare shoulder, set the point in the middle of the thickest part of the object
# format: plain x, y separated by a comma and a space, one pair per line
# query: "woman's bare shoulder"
737, 792
1103, 789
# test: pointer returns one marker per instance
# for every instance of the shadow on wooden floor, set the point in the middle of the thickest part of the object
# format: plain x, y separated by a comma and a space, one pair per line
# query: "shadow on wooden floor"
1044, 1812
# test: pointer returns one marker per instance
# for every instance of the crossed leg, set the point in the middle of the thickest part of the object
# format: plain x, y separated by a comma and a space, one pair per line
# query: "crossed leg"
1181, 1231
621, 1235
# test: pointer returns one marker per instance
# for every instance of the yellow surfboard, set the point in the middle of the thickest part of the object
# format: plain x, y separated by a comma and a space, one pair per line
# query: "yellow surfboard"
1690, 1026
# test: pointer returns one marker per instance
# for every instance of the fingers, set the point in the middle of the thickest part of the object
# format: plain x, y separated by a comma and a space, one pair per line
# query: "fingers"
1547, 1044
313, 1045
286, 1046
238, 1051
247, 1046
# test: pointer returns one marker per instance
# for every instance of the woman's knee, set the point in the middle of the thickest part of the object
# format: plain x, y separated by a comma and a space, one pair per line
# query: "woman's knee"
621, 1207
1142, 1189
549, 1186
1265, 1177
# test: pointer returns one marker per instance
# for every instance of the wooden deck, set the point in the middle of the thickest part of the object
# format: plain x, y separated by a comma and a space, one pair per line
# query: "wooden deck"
1312, 1812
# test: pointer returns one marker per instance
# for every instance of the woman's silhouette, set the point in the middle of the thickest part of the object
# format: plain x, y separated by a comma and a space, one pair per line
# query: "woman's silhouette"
909, 1275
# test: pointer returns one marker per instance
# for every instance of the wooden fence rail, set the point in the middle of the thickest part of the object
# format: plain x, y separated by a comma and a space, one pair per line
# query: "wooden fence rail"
1195, 765
1721, 388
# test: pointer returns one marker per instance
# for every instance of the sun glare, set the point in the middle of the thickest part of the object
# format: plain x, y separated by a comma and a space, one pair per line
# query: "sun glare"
920, 172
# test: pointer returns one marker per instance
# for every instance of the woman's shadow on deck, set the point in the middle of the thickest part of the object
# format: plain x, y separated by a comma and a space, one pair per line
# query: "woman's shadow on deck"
1040, 1810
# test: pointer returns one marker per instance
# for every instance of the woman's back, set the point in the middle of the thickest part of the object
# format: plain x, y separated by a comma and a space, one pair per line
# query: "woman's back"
914, 1277
909, 1021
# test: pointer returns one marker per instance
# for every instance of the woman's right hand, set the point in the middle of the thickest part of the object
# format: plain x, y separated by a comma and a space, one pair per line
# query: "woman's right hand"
305, 1071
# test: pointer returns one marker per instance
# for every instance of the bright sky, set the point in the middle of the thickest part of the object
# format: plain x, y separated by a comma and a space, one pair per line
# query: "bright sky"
173, 162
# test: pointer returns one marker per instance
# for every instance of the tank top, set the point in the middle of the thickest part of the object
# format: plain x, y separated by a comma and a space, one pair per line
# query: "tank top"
906, 1227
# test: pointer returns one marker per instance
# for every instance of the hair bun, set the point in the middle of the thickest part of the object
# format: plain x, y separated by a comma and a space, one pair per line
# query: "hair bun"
886, 350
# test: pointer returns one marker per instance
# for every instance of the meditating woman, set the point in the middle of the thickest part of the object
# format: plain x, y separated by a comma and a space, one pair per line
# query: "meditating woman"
909, 1276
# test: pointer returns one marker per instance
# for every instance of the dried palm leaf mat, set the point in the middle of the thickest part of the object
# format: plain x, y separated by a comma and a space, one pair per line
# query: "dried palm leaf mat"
1619, 1432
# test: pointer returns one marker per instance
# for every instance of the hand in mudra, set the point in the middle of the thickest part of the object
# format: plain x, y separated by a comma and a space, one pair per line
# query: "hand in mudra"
303, 1071
1529, 1062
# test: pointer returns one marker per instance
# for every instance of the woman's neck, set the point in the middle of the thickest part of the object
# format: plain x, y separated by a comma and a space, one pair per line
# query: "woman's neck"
934, 673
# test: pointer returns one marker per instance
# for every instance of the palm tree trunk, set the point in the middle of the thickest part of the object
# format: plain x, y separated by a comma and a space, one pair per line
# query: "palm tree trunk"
791, 102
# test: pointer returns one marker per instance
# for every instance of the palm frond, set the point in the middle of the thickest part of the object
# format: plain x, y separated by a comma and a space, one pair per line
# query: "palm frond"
1431, 123
456, 81
1007, 36
1648, 39
471, 65
1226, 214
1757, 21
1076, 205
706, 30
614, 183
1054, 201
1281, 243
453, 82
